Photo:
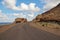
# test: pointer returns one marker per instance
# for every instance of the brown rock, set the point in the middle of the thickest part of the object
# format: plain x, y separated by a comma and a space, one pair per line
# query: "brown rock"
20, 20
51, 15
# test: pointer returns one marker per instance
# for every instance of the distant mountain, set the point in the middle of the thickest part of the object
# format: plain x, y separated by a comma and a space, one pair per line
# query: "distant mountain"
4, 23
51, 15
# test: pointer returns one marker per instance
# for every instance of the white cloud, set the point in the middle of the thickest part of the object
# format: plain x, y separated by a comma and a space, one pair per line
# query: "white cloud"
0, 11
9, 3
32, 8
31, 14
3, 17
50, 4
22, 7
19, 15
11, 17
28, 16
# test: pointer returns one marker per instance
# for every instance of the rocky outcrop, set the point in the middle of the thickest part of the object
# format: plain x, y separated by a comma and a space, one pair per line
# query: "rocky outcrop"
20, 20
51, 15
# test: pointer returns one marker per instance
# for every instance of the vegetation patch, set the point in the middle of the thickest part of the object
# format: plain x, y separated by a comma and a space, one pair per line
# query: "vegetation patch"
50, 25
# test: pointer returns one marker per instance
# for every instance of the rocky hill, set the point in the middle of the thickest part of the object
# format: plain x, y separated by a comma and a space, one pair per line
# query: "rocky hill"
20, 20
51, 15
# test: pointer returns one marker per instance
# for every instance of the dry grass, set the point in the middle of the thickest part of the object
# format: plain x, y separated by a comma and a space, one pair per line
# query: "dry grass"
50, 25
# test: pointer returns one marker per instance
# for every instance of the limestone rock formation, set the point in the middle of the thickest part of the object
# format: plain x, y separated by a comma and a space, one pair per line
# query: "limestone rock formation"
20, 20
51, 15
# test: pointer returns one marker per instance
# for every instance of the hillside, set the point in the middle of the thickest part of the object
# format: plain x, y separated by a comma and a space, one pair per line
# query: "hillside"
51, 15
49, 21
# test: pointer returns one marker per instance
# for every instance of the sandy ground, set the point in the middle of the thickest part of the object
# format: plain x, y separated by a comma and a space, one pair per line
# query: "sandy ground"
48, 29
25, 31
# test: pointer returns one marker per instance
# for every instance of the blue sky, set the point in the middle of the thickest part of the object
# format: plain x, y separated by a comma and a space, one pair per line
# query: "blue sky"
12, 9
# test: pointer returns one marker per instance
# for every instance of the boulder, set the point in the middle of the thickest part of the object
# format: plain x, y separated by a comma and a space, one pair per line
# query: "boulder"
20, 20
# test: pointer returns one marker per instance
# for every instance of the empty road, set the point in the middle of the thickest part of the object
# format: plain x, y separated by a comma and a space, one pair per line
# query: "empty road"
27, 32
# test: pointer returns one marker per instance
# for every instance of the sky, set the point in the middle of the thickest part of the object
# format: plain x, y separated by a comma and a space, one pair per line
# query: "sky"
29, 9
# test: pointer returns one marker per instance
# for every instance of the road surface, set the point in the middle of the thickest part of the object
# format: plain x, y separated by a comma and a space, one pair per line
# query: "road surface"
27, 32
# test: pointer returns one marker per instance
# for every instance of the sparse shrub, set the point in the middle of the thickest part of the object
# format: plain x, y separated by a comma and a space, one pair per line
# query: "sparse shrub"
43, 25
59, 23
46, 24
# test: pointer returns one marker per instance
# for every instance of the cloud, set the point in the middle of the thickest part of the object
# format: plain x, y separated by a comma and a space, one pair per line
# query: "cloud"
11, 17
50, 4
3, 17
11, 4
19, 15
0, 11
31, 14
28, 15
30, 9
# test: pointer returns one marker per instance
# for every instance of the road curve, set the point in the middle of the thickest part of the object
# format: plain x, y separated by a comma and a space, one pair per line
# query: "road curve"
27, 32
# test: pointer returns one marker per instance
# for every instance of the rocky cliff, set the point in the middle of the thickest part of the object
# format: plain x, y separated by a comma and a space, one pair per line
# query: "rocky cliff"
51, 15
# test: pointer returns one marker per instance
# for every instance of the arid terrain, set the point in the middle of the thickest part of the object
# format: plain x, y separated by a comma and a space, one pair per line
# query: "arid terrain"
44, 27
26, 31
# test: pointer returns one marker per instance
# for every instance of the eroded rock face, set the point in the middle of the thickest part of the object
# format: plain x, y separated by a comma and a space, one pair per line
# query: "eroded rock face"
51, 15
20, 20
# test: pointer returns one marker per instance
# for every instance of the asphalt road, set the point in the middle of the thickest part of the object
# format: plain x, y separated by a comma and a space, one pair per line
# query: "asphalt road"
27, 32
